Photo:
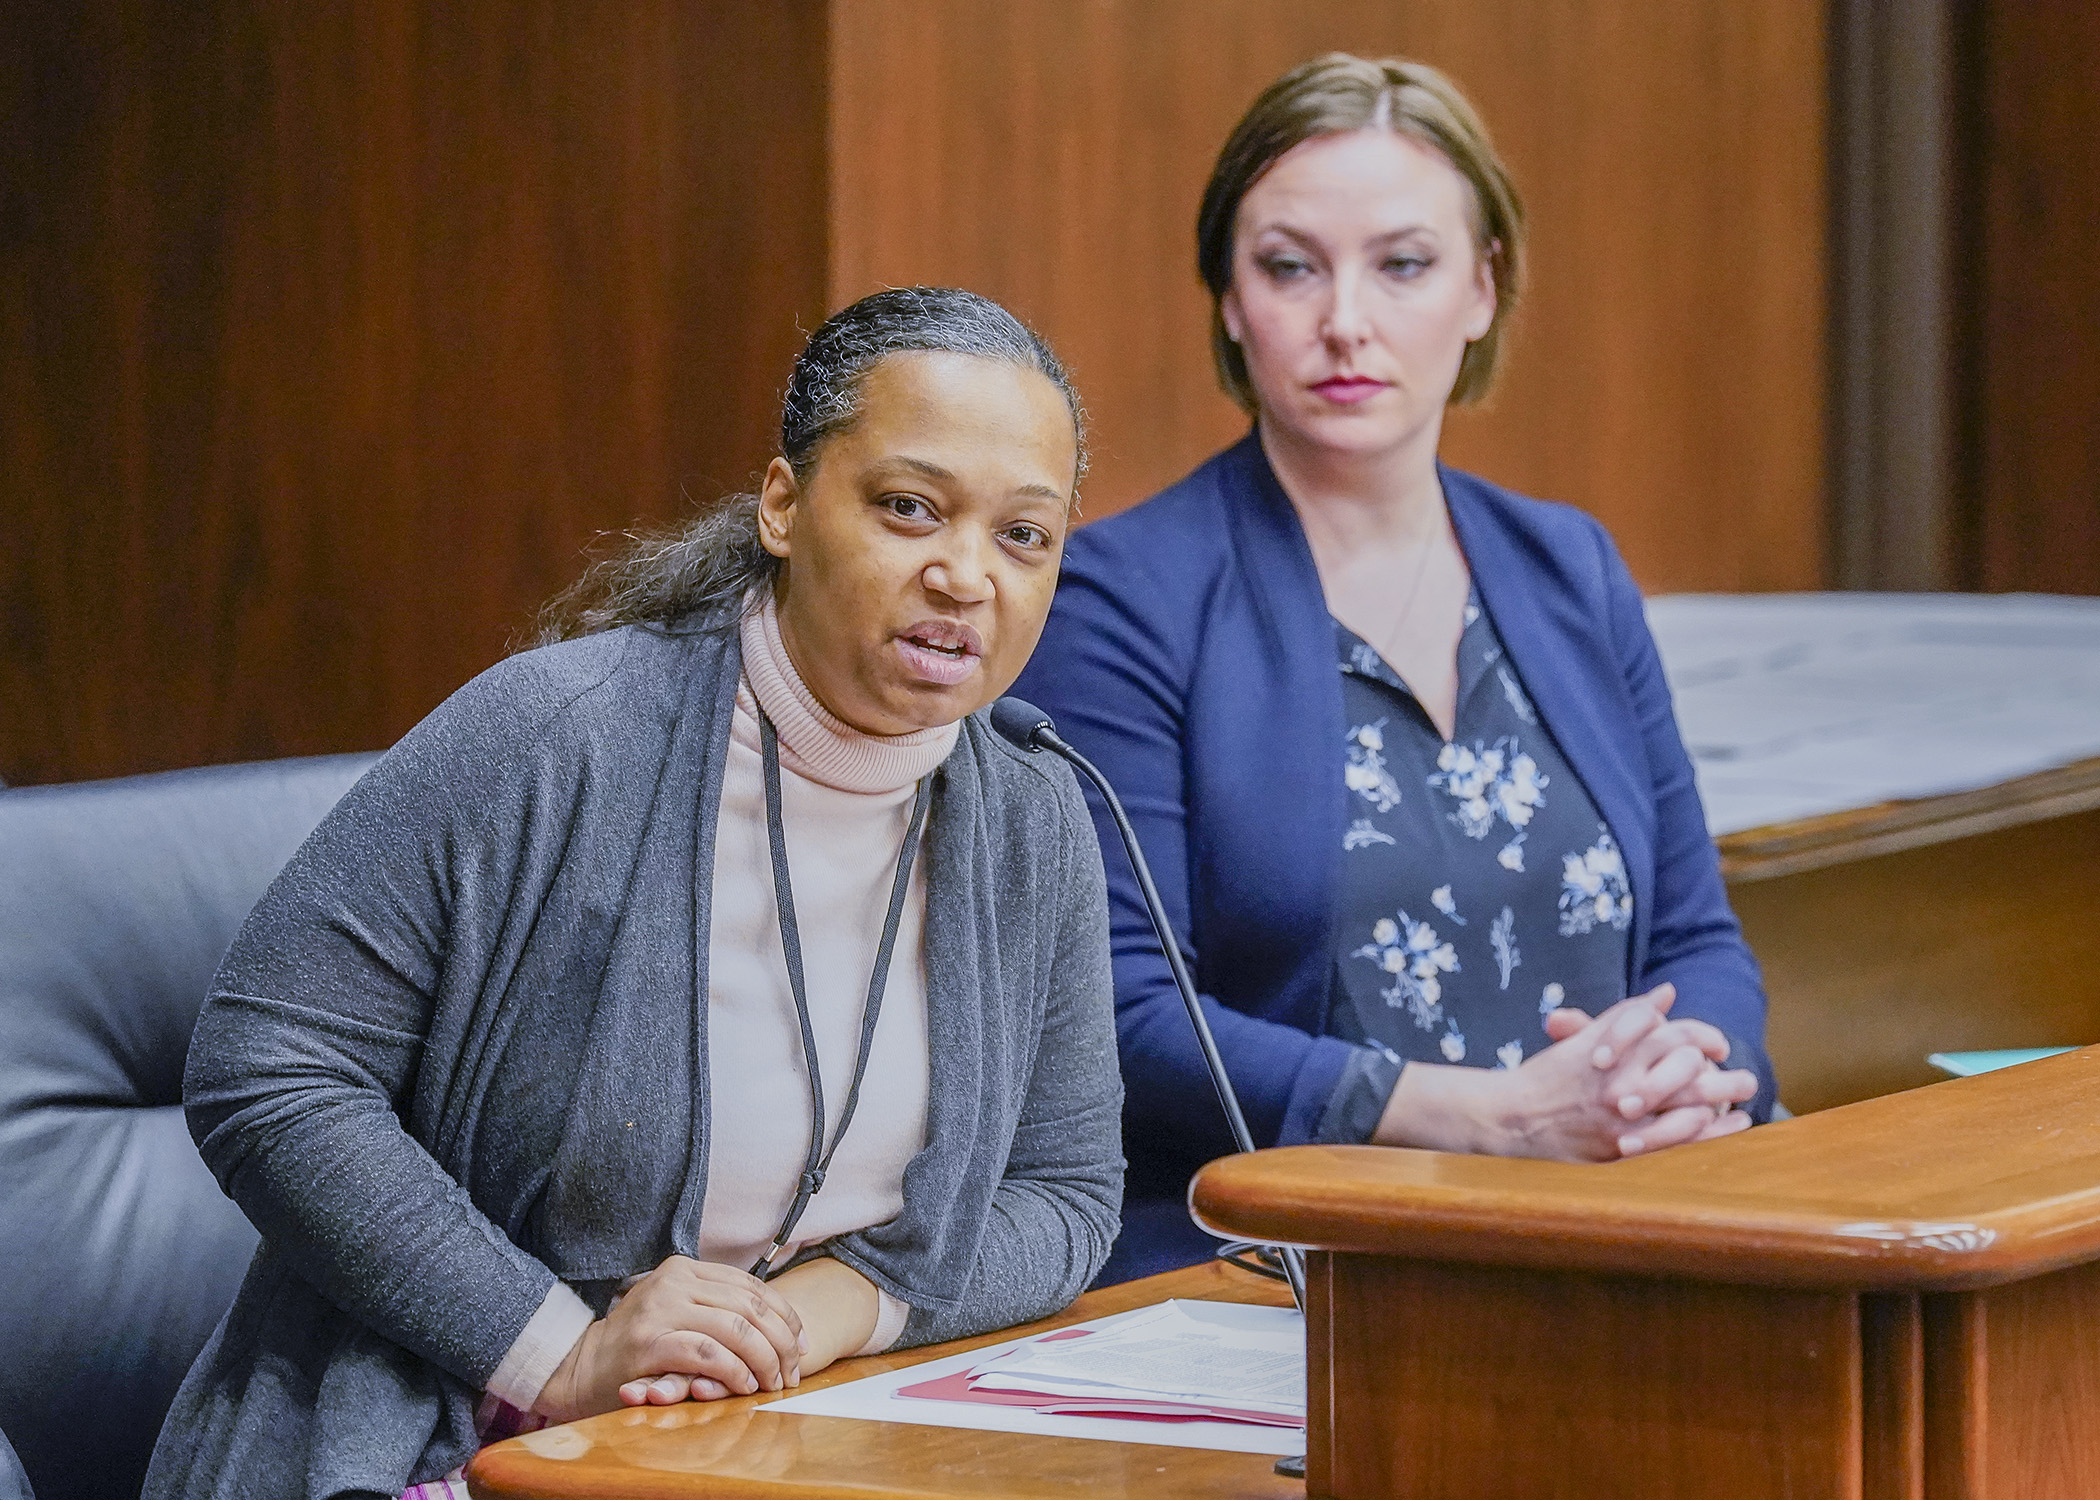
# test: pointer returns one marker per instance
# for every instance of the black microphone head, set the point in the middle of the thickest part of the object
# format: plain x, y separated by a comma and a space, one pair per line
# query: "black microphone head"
1018, 721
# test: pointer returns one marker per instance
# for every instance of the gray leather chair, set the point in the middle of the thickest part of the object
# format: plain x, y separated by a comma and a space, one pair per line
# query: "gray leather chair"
118, 1253
14, 1484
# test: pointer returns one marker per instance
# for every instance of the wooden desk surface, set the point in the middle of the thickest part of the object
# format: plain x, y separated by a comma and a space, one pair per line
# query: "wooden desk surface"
729, 1450
1970, 1183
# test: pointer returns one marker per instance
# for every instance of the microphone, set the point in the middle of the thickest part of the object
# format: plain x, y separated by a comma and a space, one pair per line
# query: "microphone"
1021, 723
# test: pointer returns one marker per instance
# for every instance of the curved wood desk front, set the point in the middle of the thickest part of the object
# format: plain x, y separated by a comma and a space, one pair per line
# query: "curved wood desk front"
1893, 1300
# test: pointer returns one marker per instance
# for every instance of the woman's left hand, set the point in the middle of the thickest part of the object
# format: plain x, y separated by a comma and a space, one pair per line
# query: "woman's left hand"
836, 1304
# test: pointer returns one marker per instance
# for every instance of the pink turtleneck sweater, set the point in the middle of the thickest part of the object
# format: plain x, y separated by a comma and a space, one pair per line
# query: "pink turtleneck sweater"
845, 806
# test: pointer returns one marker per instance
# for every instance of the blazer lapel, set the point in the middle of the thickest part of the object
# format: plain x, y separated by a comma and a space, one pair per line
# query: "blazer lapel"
1276, 718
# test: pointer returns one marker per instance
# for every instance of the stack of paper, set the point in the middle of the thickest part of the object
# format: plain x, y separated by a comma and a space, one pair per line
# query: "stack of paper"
1160, 1365
1221, 1375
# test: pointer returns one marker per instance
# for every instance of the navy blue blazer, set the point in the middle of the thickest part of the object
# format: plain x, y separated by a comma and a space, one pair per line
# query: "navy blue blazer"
1190, 654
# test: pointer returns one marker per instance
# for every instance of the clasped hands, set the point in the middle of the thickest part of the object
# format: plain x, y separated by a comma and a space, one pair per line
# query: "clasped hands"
1623, 1083
691, 1330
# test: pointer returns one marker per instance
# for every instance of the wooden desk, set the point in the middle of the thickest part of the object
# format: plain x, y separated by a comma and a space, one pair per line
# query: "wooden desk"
1892, 932
1893, 1300
729, 1450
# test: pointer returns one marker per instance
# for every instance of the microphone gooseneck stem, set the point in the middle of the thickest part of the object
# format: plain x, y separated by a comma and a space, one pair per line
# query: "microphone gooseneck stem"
1049, 739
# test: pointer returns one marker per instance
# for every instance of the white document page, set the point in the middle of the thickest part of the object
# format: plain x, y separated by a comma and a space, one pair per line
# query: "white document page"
1794, 705
1173, 1351
875, 1398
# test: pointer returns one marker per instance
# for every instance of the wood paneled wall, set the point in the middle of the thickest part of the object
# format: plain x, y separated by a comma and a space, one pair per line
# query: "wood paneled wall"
332, 332
2036, 297
1668, 371
1966, 317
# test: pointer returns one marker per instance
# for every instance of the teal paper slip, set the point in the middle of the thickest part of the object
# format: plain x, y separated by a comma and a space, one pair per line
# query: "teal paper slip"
1969, 1064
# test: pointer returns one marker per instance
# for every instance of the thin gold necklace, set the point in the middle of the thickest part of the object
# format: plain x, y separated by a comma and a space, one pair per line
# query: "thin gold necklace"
1407, 609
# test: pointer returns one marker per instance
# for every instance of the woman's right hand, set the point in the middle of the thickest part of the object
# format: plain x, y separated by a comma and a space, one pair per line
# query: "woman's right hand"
1629, 1081
722, 1328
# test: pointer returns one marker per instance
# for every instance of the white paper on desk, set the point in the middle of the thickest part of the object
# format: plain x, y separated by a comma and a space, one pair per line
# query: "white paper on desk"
1171, 1352
1794, 705
875, 1399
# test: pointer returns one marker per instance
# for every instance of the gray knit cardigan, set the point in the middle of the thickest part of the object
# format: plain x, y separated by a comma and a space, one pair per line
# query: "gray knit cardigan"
459, 1050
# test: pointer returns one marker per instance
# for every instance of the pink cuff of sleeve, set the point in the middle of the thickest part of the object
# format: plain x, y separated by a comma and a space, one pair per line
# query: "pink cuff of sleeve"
531, 1361
889, 1324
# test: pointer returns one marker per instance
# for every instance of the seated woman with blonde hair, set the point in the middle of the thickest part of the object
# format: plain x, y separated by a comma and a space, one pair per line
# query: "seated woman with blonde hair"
1396, 740
699, 998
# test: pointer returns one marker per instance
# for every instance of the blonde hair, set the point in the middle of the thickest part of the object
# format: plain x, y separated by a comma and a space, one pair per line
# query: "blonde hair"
1338, 93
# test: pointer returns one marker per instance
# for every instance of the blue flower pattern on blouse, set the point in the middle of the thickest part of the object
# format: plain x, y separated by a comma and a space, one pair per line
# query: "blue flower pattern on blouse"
1453, 947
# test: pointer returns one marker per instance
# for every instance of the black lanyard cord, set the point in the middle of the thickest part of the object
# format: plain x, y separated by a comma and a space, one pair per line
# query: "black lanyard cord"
819, 1159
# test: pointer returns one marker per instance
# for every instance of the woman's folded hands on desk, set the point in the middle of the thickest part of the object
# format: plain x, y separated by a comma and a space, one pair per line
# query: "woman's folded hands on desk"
1626, 1082
691, 1330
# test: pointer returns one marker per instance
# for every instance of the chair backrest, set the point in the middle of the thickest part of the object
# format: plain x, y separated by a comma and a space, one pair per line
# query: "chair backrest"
14, 1484
118, 1253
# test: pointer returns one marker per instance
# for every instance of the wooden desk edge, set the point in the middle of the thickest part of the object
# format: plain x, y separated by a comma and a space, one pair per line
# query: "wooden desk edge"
2028, 1207
1869, 1256
1890, 827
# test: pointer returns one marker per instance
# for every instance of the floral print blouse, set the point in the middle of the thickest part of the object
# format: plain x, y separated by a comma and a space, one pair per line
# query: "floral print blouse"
1480, 887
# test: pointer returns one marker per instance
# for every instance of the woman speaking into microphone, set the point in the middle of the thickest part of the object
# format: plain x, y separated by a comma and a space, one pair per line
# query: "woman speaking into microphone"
700, 997
1396, 741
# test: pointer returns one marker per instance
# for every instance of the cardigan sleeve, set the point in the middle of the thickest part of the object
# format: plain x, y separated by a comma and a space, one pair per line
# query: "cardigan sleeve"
1113, 669
1694, 939
304, 1058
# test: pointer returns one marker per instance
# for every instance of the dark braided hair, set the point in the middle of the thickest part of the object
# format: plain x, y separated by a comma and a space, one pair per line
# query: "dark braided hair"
715, 561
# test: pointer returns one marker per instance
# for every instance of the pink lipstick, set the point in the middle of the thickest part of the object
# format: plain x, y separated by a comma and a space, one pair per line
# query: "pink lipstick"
941, 652
1348, 390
